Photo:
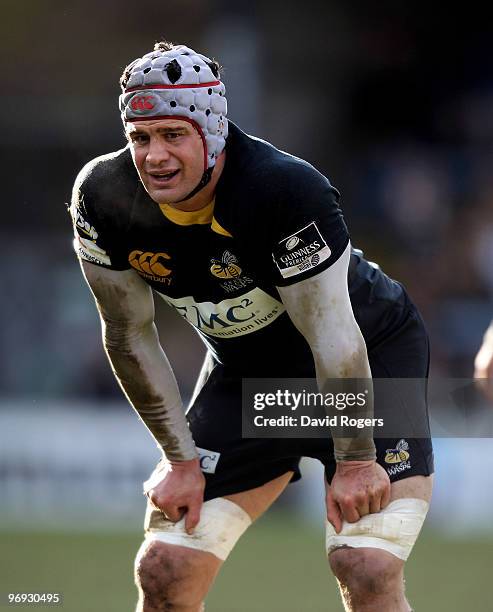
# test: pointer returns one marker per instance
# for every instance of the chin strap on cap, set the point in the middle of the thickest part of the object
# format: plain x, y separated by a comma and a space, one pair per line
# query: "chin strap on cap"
206, 177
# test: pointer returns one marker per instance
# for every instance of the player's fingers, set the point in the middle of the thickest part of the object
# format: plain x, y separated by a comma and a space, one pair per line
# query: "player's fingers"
334, 515
363, 508
349, 510
172, 513
375, 504
192, 517
385, 497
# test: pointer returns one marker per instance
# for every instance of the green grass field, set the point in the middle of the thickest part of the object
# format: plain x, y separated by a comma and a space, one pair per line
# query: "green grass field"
279, 567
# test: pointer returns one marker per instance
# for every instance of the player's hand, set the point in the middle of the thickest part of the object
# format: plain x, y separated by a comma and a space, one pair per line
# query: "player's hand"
358, 488
176, 488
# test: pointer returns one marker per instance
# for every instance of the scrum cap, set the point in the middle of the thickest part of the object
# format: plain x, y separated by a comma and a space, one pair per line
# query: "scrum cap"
183, 84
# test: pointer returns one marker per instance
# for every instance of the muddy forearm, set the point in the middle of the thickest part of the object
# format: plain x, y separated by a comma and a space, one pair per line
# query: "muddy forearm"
146, 377
360, 447
320, 308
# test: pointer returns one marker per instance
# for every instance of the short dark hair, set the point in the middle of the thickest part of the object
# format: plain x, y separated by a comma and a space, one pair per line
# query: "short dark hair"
164, 45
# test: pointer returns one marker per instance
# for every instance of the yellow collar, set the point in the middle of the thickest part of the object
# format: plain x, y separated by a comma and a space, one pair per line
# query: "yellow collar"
203, 216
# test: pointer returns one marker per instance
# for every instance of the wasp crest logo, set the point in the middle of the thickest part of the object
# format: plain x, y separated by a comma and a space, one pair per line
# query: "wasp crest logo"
397, 454
151, 265
226, 267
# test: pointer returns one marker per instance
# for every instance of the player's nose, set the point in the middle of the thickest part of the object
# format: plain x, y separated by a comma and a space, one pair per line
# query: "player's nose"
157, 152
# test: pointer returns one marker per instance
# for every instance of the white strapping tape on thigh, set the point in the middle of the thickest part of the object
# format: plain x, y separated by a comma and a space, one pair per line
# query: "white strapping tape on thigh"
222, 522
394, 529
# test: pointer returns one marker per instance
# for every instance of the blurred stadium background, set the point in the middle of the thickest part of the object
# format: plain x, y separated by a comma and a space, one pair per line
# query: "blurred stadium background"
394, 102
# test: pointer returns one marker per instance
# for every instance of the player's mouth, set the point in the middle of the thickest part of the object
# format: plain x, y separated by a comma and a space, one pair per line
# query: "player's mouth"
159, 179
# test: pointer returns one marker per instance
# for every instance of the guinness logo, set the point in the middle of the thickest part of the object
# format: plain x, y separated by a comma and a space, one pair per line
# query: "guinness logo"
151, 265
226, 267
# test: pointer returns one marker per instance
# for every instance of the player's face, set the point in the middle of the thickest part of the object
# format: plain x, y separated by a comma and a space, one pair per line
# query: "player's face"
169, 157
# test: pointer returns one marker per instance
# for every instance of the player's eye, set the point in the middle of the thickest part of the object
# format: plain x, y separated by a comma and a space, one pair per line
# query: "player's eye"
139, 138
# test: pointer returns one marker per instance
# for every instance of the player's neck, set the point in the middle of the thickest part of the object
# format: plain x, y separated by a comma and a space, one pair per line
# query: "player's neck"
206, 194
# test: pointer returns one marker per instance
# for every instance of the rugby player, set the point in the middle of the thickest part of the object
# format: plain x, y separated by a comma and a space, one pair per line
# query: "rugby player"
249, 245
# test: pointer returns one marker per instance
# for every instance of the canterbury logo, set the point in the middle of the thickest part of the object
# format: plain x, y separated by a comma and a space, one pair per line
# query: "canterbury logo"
149, 263
142, 103
397, 454
226, 267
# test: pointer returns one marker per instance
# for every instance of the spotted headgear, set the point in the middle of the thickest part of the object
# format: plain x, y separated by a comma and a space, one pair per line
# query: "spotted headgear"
183, 84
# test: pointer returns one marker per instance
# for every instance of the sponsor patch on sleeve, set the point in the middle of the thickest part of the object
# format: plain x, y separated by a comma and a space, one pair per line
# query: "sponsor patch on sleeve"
301, 251
82, 226
91, 252
85, 244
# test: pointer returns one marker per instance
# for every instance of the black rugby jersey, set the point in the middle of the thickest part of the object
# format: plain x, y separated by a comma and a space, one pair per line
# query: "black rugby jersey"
275, 220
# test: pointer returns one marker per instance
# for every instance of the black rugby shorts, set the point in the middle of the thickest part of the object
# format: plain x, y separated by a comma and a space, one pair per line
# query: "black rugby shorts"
233, 464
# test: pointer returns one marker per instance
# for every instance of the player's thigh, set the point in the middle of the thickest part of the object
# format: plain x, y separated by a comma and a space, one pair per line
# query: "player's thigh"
414, 487
256, 501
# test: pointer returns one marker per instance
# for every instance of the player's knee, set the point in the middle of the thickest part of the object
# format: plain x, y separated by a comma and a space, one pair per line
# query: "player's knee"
366, 572
167, 576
